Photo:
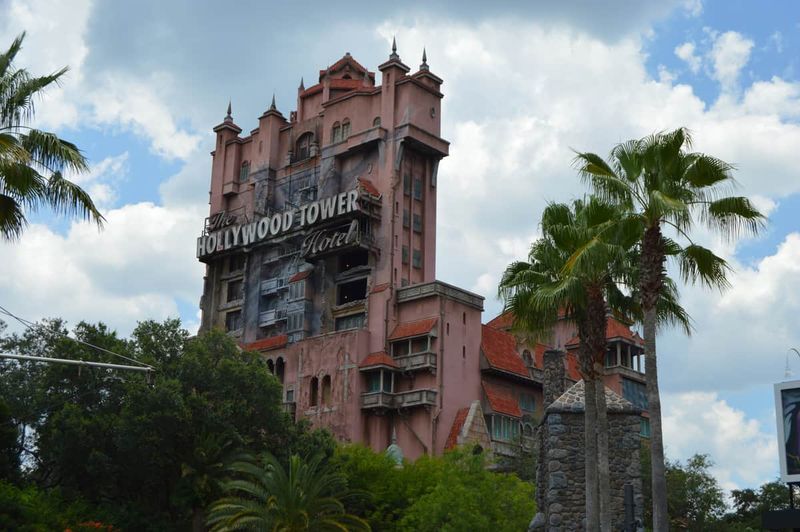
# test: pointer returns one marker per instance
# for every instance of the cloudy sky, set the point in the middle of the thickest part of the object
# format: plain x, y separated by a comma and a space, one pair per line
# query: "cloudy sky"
524, 85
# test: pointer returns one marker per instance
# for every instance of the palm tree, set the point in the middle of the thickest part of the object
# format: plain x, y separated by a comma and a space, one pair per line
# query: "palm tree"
33, 162
265, 496
537, 291
659, 184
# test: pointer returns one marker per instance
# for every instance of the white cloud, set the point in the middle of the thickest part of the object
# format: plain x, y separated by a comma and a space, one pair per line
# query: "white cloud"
730, 53
693, 8
744, 453
102, 179
55, 38
776, 40
136, 105
138, 268
686, 52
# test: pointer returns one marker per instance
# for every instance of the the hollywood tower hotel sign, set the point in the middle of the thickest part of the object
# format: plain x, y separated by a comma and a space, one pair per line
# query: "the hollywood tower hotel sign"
224, 232
320, 254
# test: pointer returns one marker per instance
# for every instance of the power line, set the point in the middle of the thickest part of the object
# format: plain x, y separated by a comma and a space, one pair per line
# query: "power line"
33, 326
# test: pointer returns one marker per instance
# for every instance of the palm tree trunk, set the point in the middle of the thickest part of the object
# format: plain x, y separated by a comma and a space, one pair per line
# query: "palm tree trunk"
590, 456
652, 279
603, 473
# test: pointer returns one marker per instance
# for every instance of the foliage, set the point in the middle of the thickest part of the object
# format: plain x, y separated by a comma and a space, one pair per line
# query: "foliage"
33, 163
659, 184
694, 497
152, 454
452, 492
749, 504
308, 495
30, 509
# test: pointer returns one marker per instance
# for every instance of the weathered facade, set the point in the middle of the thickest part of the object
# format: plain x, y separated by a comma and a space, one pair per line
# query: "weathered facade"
320, 253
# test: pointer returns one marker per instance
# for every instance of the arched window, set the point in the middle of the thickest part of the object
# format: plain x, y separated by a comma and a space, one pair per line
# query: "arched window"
376, 122
326, 390
280, 366
336, 133
526, 356
345, 128
271, 366
244, 172
304, 146
314, 391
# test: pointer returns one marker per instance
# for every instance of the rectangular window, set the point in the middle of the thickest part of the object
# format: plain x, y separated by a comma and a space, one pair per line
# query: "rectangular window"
417, 188
355, 321
504, 428
419, 344
527, 402
400, 348
417, 223
374, 382
235, 263
297, 290
406, 218
234, 290
635, 392
290, 395
407, 185
405, 254
644, 427
351, 291
417, 259
233, 320
244, 173
295, 321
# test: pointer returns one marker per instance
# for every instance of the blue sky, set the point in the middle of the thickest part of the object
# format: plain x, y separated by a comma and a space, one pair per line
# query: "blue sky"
524, 83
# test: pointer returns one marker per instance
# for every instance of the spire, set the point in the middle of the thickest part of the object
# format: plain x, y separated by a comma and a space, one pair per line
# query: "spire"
272, 105
228, 116
424, 65
394, 50
302, 85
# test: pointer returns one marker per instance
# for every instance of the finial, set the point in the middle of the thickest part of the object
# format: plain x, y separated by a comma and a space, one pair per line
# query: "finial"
394, 49
302, 85
272, 105
424, 65
228, 116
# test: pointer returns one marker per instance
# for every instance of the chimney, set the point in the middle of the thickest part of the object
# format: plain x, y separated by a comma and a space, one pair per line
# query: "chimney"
553, 385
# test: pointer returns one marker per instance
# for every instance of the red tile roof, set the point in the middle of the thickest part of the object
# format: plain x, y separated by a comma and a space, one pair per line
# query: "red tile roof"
573, 366
379, 288
614, 329
347, 58
501, 401
503, 321
500, 350
378, 359
368, 186
413, 328
299, 276
265, 344
455, 430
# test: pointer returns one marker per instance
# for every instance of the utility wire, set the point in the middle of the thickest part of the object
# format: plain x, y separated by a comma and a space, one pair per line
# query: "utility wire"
32, 326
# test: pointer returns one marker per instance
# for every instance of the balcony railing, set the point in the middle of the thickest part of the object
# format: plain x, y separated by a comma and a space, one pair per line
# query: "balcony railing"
270, 286
376, 400
417, 361
269, 317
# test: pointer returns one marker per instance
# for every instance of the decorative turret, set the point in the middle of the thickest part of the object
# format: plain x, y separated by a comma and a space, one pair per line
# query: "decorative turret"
227, 123
394, 60
424, 65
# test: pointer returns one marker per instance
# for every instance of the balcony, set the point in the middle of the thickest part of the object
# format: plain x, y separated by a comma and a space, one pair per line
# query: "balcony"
270, 286
270, 317
415, 398
417, 361
386, 400
377, 400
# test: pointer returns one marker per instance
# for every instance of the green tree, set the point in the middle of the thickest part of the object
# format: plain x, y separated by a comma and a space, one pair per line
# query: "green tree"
551, 284
695, 498
152, 453
659, 184
456, 492
33, 162
308, 495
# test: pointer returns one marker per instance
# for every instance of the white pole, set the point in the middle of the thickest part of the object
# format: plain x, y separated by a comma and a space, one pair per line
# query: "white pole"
77, 362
